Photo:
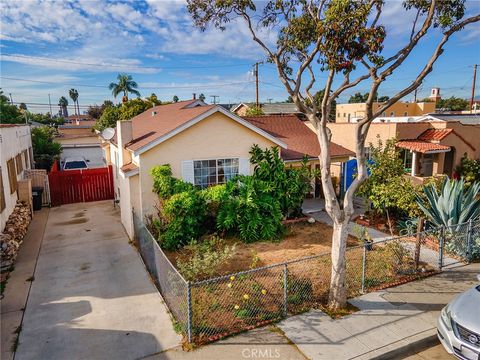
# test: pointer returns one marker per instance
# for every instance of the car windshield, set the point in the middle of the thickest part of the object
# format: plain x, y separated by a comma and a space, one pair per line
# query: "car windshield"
75, 165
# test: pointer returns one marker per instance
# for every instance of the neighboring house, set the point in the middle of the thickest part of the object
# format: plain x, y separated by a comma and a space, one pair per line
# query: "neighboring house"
465, 119
300, 141
348, 113
79, 140
267, 108
75, 118
16, 155
429, 147
204, 144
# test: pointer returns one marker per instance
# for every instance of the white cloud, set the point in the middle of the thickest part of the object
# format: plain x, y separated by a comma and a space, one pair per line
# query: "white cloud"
84, 63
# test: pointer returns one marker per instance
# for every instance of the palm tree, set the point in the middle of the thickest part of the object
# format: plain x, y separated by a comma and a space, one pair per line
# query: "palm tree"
125, 85
74, 96
63, 103
202, 97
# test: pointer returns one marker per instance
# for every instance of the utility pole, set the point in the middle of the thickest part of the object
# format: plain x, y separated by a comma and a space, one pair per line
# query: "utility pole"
215, 98
11, 100
415, 95
269, 101
50, 103
473, 87
255, 71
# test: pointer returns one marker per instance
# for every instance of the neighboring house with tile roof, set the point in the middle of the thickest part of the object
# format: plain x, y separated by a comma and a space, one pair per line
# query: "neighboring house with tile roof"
301, 141
204, 144
79, 140
430, 146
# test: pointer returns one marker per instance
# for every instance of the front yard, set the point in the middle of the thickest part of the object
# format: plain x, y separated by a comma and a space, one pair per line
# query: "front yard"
301, 239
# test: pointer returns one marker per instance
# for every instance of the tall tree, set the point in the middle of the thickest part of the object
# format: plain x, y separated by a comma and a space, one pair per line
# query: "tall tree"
453, 104
125, 85
336, 37
74, 96
201, 97
175, 98
63, 103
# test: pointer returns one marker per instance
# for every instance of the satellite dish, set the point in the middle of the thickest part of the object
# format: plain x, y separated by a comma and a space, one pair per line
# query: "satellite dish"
108, 133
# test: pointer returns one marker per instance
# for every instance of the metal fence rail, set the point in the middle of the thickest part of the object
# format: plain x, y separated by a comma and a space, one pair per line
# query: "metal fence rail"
214, 308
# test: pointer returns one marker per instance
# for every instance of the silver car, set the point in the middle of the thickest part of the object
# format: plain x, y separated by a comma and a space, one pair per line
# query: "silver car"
459, 325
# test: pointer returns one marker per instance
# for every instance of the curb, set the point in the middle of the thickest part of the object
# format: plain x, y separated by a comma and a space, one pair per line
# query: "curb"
410, 349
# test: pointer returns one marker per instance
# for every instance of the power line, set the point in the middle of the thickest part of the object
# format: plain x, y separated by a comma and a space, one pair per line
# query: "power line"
124, 65
140, 86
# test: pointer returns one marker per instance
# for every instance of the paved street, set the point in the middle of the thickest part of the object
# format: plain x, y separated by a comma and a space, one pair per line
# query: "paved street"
91, 297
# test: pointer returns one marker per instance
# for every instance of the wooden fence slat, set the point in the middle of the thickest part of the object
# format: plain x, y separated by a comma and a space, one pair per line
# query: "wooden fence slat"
74, 186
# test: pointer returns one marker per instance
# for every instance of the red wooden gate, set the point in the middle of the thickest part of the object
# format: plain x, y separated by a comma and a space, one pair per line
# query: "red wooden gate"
74, 186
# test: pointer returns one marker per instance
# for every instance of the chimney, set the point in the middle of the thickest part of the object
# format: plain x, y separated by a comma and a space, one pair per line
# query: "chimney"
194, 96
124, 136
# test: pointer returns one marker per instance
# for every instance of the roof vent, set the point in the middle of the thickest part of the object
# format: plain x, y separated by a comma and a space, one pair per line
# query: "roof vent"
154, 113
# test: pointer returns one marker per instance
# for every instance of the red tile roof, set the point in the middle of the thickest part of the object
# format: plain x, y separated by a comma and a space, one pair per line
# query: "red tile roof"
160, 120
421, 146
299, 138
434, 134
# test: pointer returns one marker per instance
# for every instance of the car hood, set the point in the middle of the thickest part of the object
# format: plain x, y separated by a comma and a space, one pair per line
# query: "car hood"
464, 309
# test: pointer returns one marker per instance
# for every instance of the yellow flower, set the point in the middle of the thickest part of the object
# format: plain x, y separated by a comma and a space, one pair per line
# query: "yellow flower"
264, 291
232, 278
246, 296
229, 285
237, 307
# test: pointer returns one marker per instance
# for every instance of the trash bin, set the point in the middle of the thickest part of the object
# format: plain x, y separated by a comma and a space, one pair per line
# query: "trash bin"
37, 198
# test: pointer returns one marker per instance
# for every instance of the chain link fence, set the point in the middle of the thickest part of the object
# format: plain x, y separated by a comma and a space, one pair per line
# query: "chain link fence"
171, 284
210, 309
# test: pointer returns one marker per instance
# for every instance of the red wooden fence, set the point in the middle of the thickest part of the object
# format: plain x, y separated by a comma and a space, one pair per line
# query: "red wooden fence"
72, 186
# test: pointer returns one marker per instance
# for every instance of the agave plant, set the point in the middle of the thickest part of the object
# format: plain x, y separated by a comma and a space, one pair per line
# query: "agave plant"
451, 204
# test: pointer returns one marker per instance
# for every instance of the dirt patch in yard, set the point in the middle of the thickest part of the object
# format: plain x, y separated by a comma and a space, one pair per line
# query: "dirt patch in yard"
73, 222
300, 240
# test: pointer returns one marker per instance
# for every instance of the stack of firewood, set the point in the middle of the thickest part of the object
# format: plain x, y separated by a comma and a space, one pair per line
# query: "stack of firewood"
13, 234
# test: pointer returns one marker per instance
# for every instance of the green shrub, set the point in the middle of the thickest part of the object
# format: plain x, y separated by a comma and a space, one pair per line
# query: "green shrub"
205, 258
213, 196
249, 209
184, 216
299, 290
469, 169
165, 185
287, 184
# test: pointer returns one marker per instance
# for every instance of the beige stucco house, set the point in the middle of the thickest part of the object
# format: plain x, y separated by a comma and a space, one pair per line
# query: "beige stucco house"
204, 144
429, 146
350, 113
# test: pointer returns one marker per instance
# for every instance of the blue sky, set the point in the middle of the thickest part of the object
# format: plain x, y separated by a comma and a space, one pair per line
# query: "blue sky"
60, 45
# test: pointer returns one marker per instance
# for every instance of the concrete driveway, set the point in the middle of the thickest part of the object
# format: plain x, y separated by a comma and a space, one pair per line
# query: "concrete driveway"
91, 297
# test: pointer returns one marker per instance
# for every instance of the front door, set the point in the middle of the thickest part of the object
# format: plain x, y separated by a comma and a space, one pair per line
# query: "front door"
427, 165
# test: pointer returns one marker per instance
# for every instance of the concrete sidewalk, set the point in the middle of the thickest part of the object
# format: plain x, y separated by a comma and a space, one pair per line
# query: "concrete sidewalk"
389, 321
19, 283
92, 298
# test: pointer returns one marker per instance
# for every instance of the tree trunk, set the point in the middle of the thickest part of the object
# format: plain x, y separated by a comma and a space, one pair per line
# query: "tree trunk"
337, 298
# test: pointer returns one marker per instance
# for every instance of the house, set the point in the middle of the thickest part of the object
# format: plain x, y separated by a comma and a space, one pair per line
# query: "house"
267, 108
204, 144
301, 141
16, 155
429, 147
78, 118
465, 119
79, 140
347, 113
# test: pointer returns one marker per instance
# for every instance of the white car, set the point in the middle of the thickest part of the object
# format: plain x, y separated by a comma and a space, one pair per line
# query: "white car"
458, 326
75, 163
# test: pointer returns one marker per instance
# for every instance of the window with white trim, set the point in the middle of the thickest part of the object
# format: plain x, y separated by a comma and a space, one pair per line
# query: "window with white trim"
214, 171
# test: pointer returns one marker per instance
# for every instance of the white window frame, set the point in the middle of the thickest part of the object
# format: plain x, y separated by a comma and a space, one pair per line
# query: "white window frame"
216, 169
